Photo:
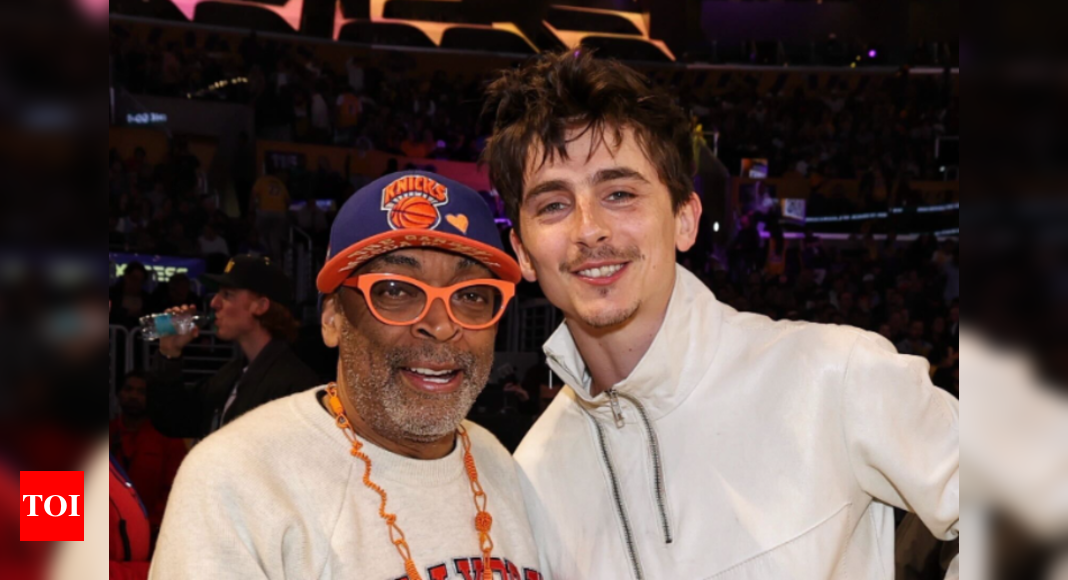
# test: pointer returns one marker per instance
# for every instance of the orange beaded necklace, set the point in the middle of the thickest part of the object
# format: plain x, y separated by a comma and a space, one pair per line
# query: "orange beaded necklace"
483, 520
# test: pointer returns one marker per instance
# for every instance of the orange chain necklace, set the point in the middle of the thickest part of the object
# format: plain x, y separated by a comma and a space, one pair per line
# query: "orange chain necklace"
483, 520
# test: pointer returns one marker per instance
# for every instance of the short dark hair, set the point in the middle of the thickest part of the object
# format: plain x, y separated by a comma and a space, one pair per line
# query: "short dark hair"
538, 103
279, 322
135, 267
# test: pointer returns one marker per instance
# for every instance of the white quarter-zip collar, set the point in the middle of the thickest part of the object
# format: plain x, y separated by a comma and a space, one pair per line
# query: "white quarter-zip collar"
676, 362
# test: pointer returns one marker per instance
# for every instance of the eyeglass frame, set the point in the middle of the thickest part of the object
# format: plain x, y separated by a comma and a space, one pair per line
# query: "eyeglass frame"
365, 282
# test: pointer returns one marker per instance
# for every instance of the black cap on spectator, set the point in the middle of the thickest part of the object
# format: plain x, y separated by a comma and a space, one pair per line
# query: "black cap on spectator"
259, 275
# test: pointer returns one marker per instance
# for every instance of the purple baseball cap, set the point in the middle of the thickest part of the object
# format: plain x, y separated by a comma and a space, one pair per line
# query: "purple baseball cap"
413, 209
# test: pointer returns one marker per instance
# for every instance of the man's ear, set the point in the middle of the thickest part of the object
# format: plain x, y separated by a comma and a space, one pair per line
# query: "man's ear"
526, 265
261, 305
331, 321
687, 223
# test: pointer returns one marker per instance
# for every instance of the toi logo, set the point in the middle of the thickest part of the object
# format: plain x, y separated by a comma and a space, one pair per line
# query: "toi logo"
52, 506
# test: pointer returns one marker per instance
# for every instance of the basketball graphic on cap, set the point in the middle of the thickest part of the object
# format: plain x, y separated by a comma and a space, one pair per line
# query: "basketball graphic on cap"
414, 212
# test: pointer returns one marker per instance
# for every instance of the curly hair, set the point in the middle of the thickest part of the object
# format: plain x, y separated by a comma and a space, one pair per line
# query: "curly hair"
537, 106
279, 321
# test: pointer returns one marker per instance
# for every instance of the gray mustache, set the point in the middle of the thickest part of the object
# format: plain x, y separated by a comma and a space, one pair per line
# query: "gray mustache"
407, 357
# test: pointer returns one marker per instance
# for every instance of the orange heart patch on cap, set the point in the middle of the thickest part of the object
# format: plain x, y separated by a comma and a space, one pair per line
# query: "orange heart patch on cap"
458, 221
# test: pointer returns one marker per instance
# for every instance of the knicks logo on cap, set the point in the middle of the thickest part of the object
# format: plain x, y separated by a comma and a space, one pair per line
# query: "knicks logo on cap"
412, 202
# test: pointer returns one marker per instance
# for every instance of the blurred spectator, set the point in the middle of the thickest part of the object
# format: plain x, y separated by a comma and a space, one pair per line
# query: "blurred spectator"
176, 243
157, 196
354, 68
116, 239
320, 114
138, 163
164, 212
348, 114
745, 251
150, 459
875, 129
775, 264
945, 369
915, 344
301, 116
209, 213
129, 299
138, 216
178, 291
421, 148
939, 334
880, 129
244, 170
312, 219
212, 243
270, 205
252, 310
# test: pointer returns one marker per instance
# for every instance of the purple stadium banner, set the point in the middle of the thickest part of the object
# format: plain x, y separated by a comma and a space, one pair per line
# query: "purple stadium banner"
162, 267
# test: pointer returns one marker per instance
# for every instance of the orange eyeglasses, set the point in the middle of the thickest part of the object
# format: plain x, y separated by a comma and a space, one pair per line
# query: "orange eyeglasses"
402, 301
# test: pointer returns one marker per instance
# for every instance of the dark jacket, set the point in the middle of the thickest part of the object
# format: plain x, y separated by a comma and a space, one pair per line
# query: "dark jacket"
194, 412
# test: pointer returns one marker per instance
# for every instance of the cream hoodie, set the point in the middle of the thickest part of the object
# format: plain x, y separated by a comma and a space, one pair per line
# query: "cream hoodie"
740, 448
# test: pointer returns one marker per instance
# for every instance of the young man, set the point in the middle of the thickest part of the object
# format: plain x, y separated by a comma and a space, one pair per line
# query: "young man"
377, 476
693, 441
251, 309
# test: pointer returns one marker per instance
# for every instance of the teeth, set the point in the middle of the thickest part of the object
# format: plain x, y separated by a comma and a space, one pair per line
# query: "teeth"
435, 377
602, 272
437, 381
430, 373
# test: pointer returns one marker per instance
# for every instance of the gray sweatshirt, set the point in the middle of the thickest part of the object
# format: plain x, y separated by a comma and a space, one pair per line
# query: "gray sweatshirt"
277, 495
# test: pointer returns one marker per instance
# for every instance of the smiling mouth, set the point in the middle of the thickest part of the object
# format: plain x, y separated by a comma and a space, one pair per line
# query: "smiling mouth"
433, 381
601, 272
600, 275
434, 376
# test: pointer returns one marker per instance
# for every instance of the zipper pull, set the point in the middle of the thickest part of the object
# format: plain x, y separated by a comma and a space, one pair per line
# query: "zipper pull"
617, 410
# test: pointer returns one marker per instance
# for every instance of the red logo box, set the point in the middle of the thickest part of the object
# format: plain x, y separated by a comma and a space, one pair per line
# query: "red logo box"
53, 506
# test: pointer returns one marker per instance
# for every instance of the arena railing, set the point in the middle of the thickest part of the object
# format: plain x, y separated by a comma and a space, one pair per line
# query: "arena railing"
300, 264
537, 320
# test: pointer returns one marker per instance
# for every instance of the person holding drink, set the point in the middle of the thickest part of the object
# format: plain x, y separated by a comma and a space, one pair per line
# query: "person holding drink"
252, 310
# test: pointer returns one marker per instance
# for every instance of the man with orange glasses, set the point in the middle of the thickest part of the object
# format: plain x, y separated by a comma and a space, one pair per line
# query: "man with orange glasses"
376, 476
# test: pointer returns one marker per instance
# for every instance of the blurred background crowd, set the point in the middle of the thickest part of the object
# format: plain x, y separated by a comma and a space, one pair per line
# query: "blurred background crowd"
829, 170
828, 166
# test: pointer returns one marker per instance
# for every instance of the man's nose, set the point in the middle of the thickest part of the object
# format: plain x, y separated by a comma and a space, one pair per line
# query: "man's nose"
594, 226
437, 324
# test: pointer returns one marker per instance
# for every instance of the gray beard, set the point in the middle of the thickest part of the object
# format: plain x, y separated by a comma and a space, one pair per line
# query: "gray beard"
397, 412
